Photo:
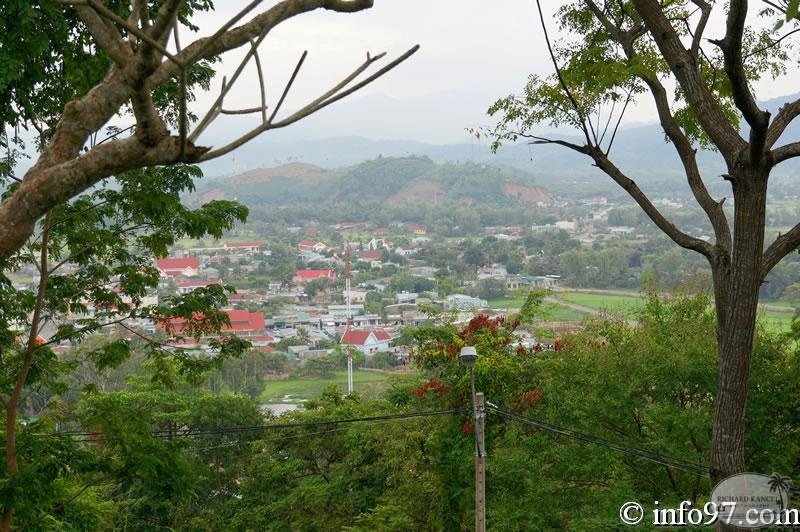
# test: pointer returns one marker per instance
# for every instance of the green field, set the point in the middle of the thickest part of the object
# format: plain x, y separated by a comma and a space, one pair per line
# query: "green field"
559, 313
297, 390
552, 312
613, 303
778, 321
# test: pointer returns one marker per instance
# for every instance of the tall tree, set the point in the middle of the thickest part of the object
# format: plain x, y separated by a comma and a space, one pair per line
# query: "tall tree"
69, 67
621, 52
93, 262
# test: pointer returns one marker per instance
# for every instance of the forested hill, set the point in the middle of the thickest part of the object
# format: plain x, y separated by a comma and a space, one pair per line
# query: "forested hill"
385, 180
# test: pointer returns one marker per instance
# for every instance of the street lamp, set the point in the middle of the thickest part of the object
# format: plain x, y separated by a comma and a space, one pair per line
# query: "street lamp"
468, 357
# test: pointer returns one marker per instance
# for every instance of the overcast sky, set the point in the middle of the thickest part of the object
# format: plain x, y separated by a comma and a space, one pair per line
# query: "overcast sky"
472, 52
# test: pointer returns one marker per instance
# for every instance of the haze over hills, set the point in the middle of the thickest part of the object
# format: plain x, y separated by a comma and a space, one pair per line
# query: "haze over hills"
640, 150
384, 180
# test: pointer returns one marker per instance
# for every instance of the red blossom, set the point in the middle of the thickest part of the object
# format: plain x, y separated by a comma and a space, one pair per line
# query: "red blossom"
531, 397
467, 428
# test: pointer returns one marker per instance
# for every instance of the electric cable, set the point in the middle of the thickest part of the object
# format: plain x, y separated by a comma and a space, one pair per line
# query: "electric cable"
689, 467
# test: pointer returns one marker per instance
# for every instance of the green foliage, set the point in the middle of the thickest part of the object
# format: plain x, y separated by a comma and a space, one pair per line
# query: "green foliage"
404, 282
323, 367
97, 273
600, 74
49, 58
649, 387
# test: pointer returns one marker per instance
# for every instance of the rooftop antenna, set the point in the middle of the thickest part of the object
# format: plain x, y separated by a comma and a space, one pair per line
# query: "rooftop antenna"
349, 316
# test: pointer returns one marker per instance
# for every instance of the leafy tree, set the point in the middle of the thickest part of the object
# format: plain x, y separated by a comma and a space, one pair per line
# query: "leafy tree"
70, 68
95, 258
312, 288
620, 52
323, 368
490, 288
163, 479
475, 255
411, 283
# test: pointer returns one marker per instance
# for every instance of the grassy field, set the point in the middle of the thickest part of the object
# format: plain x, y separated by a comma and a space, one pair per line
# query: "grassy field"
296, 390
614, 303
779, 321
553, 312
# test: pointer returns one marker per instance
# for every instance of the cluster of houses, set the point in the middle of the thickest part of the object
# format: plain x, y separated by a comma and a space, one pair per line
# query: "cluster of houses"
324, 319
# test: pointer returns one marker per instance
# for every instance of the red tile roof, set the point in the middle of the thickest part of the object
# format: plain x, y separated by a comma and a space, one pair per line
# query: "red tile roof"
355, 337
177, 264
308, 275
360, 336
241, 321
380, 334
371, 255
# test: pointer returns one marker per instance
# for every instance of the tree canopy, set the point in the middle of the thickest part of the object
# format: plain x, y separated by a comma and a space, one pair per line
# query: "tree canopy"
618, 53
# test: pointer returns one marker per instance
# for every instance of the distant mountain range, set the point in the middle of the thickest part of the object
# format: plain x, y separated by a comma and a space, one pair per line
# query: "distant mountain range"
383, 180
641, 151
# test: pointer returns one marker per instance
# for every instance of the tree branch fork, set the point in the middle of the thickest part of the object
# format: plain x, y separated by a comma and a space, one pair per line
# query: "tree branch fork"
143, 60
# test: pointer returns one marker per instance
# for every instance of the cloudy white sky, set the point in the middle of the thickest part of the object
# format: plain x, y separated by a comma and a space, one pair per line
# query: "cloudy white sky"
472, 52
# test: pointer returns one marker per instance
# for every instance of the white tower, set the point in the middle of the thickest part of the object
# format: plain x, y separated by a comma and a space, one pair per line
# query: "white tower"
349, 316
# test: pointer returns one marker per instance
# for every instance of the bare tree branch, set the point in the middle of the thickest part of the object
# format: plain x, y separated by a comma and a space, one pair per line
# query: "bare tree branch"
582, 120
62, 170
603, 163
782, 246
788, 151
682, 65
731, 46
262, 85
679, 237
216, 107
333, 95
106, 13
785, 115
288, 86
109, 39
683, 146
697, 37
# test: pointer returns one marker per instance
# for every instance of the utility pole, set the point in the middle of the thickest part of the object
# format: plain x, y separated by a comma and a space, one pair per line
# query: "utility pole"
480, 465
468, 357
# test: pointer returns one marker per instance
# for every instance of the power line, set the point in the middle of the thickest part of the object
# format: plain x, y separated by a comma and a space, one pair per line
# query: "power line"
689, 467
213, 431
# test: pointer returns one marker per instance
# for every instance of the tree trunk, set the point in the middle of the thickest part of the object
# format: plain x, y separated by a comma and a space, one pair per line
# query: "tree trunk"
12, 467
736, 292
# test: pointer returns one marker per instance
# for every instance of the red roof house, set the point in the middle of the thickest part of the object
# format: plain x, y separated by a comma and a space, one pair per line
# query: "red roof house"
371, 255
311, 245
243, 323
244, 246
368, 341
172, 267
304, 276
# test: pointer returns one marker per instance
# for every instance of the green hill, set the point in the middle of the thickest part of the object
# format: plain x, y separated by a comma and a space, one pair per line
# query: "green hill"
385, 180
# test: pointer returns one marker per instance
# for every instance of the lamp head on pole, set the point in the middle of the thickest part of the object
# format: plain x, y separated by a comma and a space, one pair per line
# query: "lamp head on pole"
468, 356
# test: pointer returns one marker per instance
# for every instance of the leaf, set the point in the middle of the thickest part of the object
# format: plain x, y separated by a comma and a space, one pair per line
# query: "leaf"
791, 9
112, 354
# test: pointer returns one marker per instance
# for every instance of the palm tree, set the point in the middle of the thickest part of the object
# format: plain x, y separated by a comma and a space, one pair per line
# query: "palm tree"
780, 484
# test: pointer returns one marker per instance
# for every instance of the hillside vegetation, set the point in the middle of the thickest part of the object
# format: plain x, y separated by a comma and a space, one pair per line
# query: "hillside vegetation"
385, 180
